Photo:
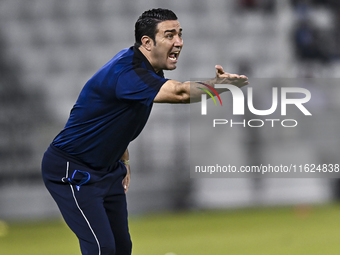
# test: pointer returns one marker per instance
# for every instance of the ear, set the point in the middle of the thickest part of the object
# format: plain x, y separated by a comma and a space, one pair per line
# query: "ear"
147, 42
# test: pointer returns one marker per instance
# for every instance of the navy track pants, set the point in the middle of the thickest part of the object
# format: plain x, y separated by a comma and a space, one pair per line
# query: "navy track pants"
92, 202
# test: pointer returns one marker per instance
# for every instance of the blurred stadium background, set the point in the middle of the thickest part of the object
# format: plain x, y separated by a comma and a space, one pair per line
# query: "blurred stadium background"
50, 48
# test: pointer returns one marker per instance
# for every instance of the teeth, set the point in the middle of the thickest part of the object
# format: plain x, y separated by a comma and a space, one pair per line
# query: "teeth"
175, 53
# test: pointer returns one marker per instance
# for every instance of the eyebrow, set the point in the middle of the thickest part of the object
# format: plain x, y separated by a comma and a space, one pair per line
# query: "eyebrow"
172, 31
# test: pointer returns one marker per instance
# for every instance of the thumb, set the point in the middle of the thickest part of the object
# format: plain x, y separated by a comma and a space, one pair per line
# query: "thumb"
219, 69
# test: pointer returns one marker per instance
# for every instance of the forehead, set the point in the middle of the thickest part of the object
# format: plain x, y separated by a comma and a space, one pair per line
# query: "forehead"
168, 25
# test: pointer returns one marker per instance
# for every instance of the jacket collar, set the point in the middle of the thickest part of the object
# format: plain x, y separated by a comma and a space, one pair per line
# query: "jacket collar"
142, 58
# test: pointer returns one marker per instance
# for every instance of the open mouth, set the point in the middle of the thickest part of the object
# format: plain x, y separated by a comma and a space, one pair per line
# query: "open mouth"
174, 55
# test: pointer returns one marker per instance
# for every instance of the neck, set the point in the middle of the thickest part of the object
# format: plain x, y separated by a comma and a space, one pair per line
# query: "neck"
147, 54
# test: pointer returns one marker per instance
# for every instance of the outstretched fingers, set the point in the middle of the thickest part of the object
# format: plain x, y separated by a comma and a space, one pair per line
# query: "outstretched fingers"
227, 78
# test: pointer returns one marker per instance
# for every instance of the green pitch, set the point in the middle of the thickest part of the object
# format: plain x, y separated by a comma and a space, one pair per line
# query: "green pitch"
302, 230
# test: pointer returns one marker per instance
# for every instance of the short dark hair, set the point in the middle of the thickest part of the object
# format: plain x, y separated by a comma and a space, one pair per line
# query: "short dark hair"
148, 21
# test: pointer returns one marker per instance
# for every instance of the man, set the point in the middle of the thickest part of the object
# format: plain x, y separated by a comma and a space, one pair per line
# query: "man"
86, 168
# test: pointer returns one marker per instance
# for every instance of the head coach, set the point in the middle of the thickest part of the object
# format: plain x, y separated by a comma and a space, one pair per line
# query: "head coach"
86, 167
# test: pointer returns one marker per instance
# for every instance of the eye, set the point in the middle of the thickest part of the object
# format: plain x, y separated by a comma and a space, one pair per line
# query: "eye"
170, 36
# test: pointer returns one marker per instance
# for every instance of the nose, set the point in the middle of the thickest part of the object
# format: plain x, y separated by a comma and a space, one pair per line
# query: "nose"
178, 42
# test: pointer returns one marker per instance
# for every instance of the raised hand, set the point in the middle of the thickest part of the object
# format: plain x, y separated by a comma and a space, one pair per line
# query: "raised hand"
227, 78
